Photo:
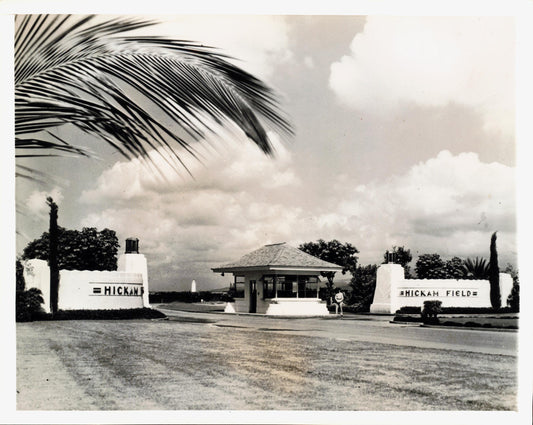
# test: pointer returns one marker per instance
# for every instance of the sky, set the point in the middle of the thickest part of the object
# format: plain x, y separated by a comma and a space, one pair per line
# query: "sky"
404, 136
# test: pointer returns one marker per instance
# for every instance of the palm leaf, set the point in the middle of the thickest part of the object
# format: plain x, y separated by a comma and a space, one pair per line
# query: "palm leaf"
126, 89
476, 269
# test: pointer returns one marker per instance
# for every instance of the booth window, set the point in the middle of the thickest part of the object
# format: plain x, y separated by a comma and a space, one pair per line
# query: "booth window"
307, 286
269, 291
237, 289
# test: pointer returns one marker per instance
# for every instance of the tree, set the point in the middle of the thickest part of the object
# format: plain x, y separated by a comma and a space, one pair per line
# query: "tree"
363, 286
20, 282
53, 262
126, 89
402, 257
513, 300
455, 268
476, 269
342, 254
88, 249
494, 275
432, 266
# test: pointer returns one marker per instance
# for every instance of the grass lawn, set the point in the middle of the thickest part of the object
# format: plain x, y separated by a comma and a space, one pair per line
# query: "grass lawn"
140, 364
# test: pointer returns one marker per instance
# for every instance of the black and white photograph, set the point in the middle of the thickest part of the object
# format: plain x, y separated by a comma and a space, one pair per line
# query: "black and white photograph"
266, 217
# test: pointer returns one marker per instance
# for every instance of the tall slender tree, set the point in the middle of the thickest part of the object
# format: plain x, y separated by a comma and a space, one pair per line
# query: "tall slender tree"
53, 261
494, 275
140, 94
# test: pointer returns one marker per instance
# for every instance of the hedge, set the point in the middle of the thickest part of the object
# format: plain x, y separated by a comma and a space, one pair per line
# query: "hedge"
124, 314
187, 297
457, 310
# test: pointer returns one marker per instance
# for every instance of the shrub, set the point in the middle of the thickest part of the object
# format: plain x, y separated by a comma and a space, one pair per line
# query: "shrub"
28, 305
407, 319
409, 310
474, 310
430, 311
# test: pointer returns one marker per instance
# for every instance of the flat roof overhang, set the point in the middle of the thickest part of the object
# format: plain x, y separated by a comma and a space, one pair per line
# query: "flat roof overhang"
275, 269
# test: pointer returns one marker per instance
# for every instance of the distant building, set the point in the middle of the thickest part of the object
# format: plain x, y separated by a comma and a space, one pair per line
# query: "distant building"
277, 279
193, 286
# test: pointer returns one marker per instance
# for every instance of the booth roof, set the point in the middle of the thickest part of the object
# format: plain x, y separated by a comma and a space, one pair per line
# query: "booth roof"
278, 256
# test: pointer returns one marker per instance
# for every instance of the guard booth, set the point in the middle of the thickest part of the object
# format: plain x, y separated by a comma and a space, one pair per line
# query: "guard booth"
277, 279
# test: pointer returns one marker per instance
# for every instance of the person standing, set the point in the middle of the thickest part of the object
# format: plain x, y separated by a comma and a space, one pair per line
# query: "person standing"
339, 301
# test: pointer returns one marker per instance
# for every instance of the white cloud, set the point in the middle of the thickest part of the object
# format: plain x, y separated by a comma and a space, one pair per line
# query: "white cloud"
36, 203
448, 204
241, 166
431, 61
258, 42
228, 207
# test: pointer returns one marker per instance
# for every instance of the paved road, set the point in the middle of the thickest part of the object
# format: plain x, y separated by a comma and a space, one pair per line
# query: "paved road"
376, 329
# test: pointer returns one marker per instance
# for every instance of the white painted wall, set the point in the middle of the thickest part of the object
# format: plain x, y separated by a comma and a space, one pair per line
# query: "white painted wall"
136, 263
37, 275
117, 290
94, 290
393, 291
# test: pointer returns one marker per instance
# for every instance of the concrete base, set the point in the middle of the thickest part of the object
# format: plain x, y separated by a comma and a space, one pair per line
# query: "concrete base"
230, 308
383, 308
297, 307
285, 307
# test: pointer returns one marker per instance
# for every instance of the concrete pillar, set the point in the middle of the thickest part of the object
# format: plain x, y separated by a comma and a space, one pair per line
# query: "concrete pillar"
136, 263
388, 278
37, 275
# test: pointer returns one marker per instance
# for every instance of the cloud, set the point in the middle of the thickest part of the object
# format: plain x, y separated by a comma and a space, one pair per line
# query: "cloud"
231, 205
449, 204
432, 61
36, 202
257, 43
235, 166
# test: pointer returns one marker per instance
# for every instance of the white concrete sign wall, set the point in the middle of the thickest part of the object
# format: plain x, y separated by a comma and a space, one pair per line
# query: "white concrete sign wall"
393, 291
94, 290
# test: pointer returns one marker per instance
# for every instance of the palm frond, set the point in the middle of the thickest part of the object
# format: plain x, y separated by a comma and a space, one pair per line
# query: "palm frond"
126, 89
476, 269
